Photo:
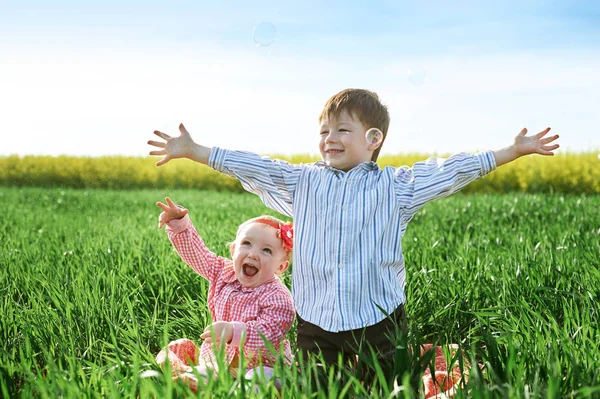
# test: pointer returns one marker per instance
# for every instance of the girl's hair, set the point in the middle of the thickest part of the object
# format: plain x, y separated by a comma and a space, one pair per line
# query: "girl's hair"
284, 231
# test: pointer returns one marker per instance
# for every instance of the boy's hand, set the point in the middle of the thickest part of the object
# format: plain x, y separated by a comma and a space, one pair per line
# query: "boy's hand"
525, 145
170, 212
173, 147
223, 332
536, 144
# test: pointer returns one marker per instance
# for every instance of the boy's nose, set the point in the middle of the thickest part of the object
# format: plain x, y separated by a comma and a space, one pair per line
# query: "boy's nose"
331, 137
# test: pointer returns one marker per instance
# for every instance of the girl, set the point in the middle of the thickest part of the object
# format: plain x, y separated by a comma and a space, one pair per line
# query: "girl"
246, 299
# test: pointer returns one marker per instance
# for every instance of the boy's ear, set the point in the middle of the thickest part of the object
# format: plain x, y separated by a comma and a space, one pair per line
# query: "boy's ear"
232, 248
374, 138
283, 267
374, 146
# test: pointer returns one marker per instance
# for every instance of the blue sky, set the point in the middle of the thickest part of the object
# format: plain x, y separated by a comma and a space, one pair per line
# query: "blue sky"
98, 78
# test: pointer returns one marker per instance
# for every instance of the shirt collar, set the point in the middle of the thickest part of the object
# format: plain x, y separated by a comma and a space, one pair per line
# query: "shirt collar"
368, 166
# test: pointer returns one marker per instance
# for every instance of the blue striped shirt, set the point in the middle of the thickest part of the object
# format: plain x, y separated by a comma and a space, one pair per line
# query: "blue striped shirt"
348, 226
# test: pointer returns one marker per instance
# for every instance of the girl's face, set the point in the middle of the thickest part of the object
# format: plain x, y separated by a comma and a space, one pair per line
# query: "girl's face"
258, 254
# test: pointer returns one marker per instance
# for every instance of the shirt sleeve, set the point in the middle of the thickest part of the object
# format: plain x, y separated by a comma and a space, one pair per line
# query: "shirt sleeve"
275, 318
273, 180
191, 249
439, 177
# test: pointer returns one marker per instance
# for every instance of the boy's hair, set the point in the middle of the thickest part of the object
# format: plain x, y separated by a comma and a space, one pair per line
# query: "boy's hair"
365, 105
257, 220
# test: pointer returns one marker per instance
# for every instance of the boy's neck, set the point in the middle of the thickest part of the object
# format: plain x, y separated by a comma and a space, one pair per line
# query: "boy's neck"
367, 164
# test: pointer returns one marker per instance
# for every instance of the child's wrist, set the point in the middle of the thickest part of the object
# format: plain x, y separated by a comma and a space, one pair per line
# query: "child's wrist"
199, 153
513, 153
177, 225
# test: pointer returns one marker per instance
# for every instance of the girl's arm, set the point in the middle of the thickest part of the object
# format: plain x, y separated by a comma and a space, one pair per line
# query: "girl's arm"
275, 318
191, 248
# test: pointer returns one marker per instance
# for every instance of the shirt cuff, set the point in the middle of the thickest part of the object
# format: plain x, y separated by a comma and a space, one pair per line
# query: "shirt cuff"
216, 159
238, 330
487, 161
179, 225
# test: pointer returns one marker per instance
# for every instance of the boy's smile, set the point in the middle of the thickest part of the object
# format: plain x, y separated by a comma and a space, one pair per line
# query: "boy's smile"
343, 145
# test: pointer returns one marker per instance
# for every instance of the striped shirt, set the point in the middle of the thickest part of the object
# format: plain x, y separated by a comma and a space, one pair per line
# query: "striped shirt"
264, 311
348, 226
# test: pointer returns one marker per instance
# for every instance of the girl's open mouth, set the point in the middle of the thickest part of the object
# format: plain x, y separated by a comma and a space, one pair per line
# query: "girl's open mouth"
249, 270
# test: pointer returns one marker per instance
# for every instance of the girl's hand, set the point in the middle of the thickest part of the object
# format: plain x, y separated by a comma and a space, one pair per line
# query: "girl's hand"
223, 332
170, 212
535, 144
173, 147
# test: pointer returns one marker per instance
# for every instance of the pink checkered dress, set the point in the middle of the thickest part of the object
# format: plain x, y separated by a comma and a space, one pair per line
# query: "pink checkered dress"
266, 310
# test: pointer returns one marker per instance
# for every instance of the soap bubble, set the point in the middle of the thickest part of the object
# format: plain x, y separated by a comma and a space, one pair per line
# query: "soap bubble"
264, 34
417, 76
373, 135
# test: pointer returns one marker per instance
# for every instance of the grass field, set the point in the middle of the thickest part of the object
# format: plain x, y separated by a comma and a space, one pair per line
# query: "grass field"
91, 291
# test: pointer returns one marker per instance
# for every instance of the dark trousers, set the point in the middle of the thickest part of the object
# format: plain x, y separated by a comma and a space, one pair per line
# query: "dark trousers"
312, 339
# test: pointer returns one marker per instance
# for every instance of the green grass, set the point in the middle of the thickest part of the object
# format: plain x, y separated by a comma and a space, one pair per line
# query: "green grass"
91, 290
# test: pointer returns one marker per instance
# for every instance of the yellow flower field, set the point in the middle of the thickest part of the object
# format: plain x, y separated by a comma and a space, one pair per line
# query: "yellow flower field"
564, 173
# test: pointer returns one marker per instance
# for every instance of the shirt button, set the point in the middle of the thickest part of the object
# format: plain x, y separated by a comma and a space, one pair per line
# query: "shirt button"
340, 266
343, 207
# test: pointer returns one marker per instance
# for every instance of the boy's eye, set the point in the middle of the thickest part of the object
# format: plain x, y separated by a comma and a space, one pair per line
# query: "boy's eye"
324, 132
245, 242
267, 250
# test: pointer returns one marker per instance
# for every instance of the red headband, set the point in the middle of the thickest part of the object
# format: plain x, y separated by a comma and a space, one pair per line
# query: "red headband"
285, 231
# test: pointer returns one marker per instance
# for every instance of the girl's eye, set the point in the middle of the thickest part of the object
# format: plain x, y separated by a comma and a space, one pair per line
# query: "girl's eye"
344, 130
245, 242
267, 250
324, 133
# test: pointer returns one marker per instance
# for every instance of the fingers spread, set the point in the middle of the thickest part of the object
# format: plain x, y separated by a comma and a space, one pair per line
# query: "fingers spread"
549, 139
523, 132
550, 147
162, 135
171, 203
542, 133
163, 161
183, 130
162, 206
157, 143
161, 152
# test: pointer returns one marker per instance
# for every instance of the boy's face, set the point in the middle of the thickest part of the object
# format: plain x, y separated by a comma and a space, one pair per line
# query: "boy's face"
343, 145
258, 254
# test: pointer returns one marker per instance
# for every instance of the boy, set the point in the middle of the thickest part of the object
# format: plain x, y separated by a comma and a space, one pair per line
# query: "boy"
349, 217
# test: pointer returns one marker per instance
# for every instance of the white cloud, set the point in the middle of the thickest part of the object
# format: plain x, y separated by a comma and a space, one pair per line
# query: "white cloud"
109, 103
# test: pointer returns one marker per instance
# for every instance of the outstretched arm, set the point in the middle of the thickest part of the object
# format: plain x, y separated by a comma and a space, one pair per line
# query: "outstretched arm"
182, 146
437, 178
525, 145
187, 242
